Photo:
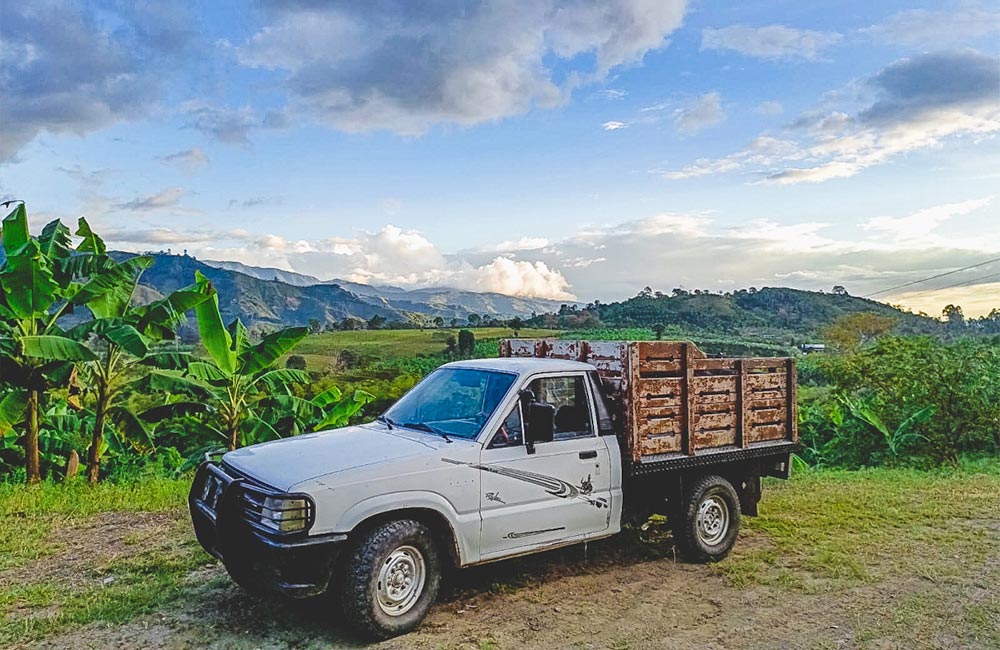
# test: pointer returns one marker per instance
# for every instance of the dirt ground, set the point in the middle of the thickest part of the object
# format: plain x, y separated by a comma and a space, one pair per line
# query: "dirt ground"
628, 592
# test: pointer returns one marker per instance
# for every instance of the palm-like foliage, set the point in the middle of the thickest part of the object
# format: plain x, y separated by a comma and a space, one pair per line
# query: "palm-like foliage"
123, 338
237, 375
38, 285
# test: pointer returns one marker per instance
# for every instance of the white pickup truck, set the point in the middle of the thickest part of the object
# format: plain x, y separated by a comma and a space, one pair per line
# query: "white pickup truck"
561, 442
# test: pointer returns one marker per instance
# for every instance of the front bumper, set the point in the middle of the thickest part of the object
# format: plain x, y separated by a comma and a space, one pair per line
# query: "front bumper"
295, 565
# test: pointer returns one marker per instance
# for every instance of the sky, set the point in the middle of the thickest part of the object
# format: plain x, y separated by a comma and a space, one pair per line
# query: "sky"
574, 150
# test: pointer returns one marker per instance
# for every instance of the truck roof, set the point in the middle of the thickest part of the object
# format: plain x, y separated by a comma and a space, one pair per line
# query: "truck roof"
521, 365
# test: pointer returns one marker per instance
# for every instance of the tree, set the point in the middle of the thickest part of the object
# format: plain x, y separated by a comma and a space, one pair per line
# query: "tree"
237, 375
838, 290
451, 346
438, 321
466, 343
474, 320
37, 279
455, 322
850, 332
376, 322
315, 327
658, 330
295, 362
123, 337
954, 317
516, 324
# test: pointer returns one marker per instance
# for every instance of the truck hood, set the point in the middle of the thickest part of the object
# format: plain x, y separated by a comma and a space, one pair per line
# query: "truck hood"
282, 464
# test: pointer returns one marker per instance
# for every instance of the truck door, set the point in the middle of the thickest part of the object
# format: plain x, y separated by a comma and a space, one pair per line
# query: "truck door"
560, 492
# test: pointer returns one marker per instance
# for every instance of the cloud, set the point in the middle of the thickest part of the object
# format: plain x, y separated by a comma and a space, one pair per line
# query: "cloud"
189, 160
614, 94
769, 42
406, 66
89, 180
770, 108
166, 198
920, 27
614, 125
700, 114
910, 105
611, 262
255, 202
70, 69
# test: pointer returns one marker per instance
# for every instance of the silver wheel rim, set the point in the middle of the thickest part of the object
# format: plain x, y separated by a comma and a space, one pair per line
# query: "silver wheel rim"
713, 520
400, 581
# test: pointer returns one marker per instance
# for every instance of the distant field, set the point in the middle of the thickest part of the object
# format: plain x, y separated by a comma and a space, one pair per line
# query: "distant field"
321, 350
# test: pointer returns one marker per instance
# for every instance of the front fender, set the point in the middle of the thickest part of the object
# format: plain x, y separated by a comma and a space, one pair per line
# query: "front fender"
464, 527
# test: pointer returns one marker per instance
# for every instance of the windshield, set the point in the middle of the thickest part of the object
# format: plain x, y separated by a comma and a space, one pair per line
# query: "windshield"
453, 401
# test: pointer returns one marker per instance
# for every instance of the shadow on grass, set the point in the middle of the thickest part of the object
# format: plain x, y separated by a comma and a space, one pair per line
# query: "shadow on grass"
231, 612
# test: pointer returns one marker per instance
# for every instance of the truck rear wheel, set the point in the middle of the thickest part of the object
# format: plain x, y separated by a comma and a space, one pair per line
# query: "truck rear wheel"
391, 579
708, 522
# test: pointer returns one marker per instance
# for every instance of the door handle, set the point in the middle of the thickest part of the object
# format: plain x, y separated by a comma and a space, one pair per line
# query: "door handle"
588, 454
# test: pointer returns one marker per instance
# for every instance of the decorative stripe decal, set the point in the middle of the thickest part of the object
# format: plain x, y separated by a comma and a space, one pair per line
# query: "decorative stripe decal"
529, 533
554, 486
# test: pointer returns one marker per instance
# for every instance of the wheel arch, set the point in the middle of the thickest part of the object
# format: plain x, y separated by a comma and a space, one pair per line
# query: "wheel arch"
431, 510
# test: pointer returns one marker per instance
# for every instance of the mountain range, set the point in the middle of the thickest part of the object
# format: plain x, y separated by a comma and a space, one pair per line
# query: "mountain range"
268, 296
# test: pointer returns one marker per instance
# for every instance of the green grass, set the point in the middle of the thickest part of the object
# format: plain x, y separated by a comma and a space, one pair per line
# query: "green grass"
822, 532
829, 529
321, 350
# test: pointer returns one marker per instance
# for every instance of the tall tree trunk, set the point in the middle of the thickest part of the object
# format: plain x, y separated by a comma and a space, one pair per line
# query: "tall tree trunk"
93, 455
31, 463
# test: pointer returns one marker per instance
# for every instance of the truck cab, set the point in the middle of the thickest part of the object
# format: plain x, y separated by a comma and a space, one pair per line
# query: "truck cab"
481, 461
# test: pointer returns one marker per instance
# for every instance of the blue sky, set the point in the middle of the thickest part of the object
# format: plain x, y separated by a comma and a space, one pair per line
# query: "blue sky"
558, 149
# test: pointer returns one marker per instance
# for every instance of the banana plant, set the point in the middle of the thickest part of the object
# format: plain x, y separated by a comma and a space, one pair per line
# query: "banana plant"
37, 282
330, 409
237, 375
124, 340
895, 439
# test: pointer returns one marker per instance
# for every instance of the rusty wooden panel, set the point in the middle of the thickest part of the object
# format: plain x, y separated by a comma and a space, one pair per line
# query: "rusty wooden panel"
742, 404
518, 348
768, 416
647, 411
630, 382
664, 357
762, 432
765, 364
713, 389
715, 365
713, 438
765, 403
609, 357
703, 421
791, 381
563, 349
659, 391
687, 443
659, 425
766, 382
653, 445
712, 408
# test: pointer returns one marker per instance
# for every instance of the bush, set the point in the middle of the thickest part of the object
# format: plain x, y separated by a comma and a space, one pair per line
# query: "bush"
296, 362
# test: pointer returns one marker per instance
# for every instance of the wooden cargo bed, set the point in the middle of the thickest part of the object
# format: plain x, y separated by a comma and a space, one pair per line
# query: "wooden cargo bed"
675, 403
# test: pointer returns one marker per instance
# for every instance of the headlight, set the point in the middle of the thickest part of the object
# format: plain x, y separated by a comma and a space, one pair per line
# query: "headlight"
286, 514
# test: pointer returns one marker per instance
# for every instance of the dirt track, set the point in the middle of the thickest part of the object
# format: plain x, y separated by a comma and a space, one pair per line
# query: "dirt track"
625, 593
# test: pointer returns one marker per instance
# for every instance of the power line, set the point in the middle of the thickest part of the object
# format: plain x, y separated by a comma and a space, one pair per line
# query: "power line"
958, 284
933, 277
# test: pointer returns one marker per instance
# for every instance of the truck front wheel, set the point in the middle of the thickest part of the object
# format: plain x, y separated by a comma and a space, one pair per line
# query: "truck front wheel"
391, 578
708, 523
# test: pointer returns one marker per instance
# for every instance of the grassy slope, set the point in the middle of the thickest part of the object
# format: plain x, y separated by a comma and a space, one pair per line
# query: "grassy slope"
321, 350
68, 558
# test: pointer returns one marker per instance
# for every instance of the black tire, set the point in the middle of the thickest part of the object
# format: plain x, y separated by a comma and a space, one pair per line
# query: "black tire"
708, 538
361, 585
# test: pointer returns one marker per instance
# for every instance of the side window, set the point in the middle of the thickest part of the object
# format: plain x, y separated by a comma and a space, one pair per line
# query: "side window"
571, 407
511, 432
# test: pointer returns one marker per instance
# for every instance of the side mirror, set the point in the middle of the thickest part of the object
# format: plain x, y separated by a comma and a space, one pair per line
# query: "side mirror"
540, 424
